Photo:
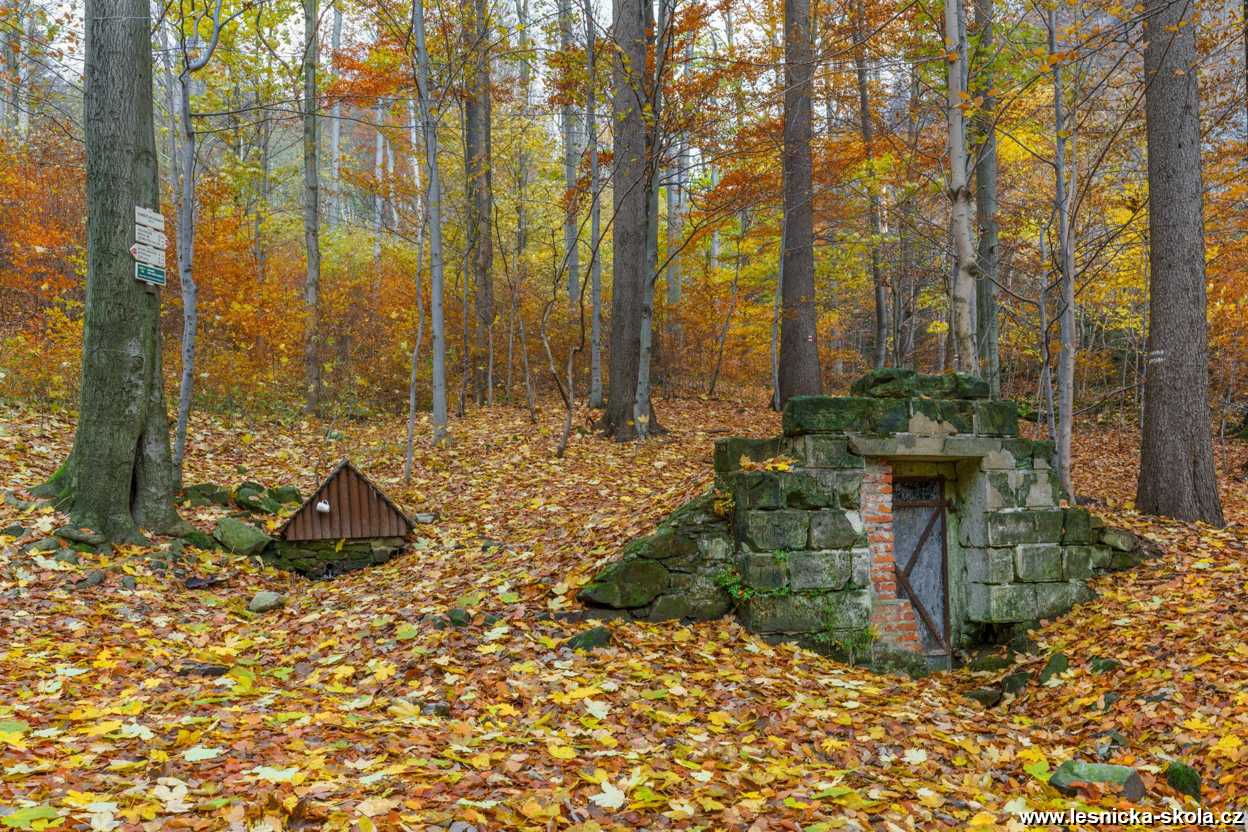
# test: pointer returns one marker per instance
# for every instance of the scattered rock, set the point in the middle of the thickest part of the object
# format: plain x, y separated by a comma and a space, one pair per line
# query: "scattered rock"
286, 494
1072, 772
200, 540
15, 531
1057, 664
239, 537
422, 518
266, 600
1015, 682
196, 582
986, 696
436, 709
461, 826
94, 578
1120, 540
67, 556
1184, 779
252, 496
207, 494
1100, 664
129, 582
17, 502
590, 639
47, 544
203, 669
1109, 744
990, 662
459, 617
1108, 700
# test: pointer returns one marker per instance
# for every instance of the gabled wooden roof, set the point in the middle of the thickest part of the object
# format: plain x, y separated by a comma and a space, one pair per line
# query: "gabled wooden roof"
357, 509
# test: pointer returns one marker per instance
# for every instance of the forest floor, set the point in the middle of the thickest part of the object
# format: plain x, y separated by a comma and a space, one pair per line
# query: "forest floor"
318, 723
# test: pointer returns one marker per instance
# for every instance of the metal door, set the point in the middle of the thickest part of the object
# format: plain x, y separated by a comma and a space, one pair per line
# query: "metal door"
921, 555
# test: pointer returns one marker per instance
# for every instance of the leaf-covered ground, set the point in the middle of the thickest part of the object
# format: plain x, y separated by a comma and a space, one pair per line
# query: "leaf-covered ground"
355, 707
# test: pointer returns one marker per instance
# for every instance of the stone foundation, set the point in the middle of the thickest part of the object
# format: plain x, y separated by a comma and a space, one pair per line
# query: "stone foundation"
797, 536
327, 558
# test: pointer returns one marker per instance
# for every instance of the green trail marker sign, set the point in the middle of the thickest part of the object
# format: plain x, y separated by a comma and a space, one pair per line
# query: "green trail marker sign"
153, 275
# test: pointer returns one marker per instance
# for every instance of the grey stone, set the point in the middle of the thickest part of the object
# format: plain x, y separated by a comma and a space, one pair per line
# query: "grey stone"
827, 414
1038, 562
67, 556
239, 537
996, 418
1072, 772
782, 530
803, 490
828, 452
763, 571
705, 599
1000, 603
1076, 526
987, 696
266, 600
1007, 528
76, 535
755, 489
970, 447
844, 486
1120, 540
590, 639
626, 584
989, 566
129, 582
459, 617
807, 613
286, 494
1054, 599
1183, 779
1100, 664
819, 570
728, 452
1077, 562
860, 568
1016, 681
944, 416
1057, 664
94, 578
835, 529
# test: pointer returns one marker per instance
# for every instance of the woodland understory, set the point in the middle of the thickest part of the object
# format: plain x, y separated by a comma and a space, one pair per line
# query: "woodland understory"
322, 718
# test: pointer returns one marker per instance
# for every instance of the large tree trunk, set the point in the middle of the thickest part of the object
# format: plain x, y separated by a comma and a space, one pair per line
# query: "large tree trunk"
799, 353
311, 209
630, 194
478, 178
962, 296
119, 475
595, 213
1066, 267
873, 195
421, 212
335, 131
1176, 452
430, 129
986, 205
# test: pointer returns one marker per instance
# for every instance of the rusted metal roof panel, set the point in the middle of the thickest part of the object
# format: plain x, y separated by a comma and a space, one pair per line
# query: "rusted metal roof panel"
346, 505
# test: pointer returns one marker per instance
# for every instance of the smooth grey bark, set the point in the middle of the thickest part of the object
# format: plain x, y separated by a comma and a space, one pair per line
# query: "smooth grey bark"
421, 212
799, 353
119, 475
311, 209
1066, 266
335, 132
962, 294
873, 196
1177, 476
522, 220
571, 158
596, 399
986, 204
379, 199
478, 181
430, 128
630, 196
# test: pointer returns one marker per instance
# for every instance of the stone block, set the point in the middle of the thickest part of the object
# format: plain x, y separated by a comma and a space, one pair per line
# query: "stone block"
773, 531
706, 599
1120, 540
891, 416
801, 489
1077, 562
999, 460
1101, 556
626, 584
1039, 491
1042, 451
828, 452
667, 542
827, 414
755, 489
1076, 526
1020, 449
783, 613
886, 383
903, 445
835, 529
996, 418
1000, 603
715, 548
844, 486
1055, 598
819, 570
860, 569
1038, 562
728, 452
1008, 528
999, 492
989, 566
950, 386
932, 416
850, 609
969, 447
667, 607
763, 571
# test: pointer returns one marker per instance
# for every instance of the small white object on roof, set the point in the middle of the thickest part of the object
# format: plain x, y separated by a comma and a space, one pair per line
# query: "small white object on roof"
322, 506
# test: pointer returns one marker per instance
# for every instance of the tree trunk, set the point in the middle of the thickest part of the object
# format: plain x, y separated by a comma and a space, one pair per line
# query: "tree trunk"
630, 194
478, 177
1176, 453
986, 205
596, 399
311, 209
422, 212
799, 353
962, 296
1066, 268
186, 276
335, 131
571, 156
873, 196
430, 128
119, 475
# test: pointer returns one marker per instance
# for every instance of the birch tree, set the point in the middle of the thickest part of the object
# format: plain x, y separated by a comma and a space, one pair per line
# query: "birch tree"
595, 212
962, 296
311, 208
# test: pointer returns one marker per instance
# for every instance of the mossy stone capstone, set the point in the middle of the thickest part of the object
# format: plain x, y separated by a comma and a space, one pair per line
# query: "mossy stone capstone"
239, 537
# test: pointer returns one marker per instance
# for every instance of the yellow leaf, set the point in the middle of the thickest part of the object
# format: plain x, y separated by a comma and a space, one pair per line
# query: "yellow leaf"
561, 752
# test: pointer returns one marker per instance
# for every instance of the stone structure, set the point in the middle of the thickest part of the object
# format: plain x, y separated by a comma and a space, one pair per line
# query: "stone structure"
906, 518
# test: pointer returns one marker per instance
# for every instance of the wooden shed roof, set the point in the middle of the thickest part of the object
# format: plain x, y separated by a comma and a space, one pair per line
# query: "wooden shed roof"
357, 509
